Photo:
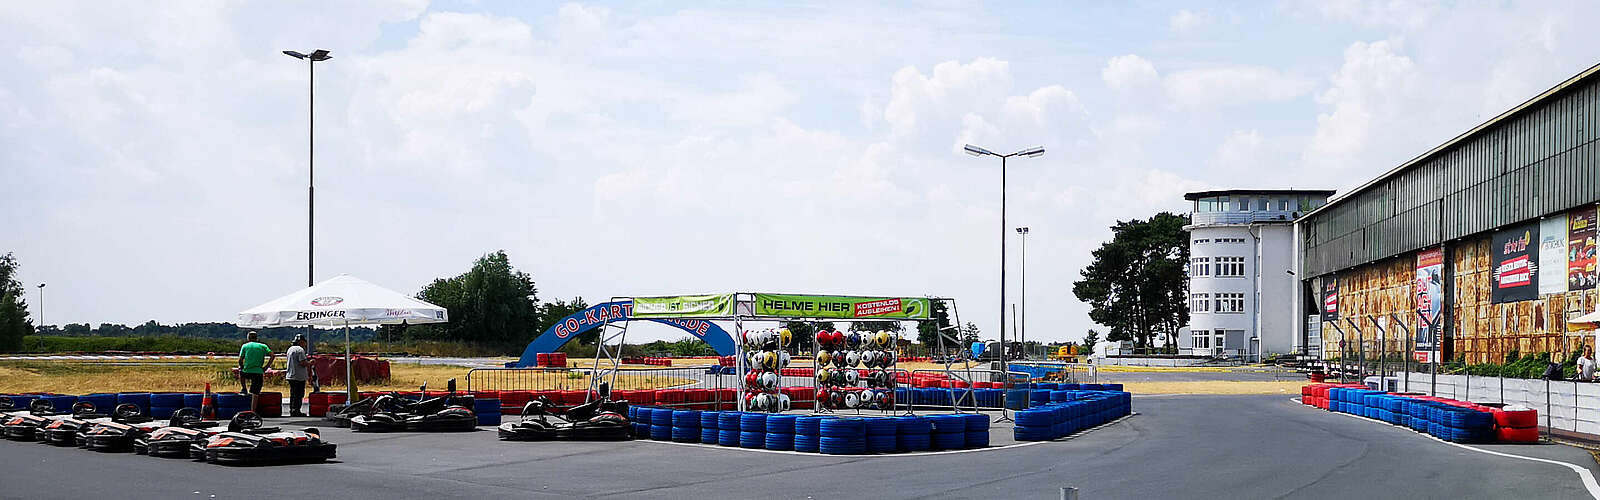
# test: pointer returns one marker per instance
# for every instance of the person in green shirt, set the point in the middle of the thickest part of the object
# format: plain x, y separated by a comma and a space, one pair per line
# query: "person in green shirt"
254, 358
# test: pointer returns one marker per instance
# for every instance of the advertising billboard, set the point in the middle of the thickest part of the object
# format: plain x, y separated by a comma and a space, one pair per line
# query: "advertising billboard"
1553, 255
1515, 254
1330, 299
1429, 290
1581, 249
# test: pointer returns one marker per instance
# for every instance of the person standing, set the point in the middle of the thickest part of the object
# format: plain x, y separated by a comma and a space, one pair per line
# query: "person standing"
254, 358
298, 370
1586, 365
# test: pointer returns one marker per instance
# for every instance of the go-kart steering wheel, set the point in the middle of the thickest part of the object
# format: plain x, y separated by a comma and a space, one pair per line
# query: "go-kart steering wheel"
41, 406
126, 411
82, 408
186, 415
244, 420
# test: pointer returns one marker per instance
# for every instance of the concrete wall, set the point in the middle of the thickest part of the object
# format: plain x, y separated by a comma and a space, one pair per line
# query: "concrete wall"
1573, 406
1278, 289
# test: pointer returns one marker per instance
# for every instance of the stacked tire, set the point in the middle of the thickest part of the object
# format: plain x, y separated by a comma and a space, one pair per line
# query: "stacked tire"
1516, 424
808, 433
709, 430
882, 435
977, 430
843, 436
228, 403
913, 433
752, 430
487, 410
949, 432
139, 399
686, 426
162, 405
728, 428
661, 424
780, 432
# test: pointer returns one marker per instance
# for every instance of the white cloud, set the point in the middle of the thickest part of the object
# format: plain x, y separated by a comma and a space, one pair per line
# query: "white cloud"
1128, 73
1220, 87
1184, 21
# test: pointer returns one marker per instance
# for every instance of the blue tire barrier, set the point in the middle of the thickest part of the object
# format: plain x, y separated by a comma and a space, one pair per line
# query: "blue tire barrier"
781, 424
882, 426
1062, 396
662, 417
645, 415
142, 400
753, 422
988, 398
780, 441
841, 445
166, 400
884, 443
727, 437
686, 434
1034, 418
1038, 397
660, 432
21, 402
977, 439
976, 422
1017, 399
752, 439
633, 414
843, 428
729, 421
947, 424
807, 442
483, 418
63, 404
231, 400
161, 412
106, 402
486, 405
1091, 387
1033, 433
189, 400
1049, 386
914, 442
709, 420
913, 425
686, 418
1112, 387
949, 440
640, 429
809, 425
709, 435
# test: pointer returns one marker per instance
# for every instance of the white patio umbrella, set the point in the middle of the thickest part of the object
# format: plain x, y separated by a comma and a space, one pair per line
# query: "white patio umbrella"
343, 300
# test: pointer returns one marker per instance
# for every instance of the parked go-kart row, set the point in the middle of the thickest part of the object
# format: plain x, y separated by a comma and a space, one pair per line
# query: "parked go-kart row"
394, 413
241, 440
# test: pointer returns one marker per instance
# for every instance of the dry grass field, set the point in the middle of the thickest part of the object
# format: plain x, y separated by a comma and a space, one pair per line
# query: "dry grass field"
67, 377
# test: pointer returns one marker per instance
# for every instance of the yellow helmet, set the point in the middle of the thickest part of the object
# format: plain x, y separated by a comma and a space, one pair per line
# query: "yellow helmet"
785, 337
823, 357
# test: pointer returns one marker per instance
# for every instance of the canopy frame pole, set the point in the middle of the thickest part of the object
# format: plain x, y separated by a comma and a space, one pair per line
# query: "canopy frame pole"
349, 378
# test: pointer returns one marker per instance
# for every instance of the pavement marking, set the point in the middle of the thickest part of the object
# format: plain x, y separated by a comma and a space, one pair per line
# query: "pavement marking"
1589, 482
895, 455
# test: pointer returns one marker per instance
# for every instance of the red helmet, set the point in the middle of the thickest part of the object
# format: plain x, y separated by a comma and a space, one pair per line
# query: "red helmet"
824, 338
836, 338
751, 377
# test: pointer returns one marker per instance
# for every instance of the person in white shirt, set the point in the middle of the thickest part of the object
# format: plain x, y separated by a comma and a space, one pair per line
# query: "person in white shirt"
297, 370
1586, 365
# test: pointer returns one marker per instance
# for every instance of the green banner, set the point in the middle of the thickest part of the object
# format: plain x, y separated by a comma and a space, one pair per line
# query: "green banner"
819, 306
683, 306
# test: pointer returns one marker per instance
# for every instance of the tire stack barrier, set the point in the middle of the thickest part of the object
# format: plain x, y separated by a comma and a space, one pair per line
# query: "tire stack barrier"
780, 432
752, 430
487, 410
686, 426
709, 432
1087, 409
728, 424
268, 404
638, 417
661, 424
882, 435
949, 432
318, 402
511, 402
913, 433
142, 400
977, 430
103, 402
808, 433
842, 436
161, 404
1446, 419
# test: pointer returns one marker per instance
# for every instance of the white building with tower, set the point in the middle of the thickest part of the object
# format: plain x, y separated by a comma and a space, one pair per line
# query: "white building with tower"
1244, 299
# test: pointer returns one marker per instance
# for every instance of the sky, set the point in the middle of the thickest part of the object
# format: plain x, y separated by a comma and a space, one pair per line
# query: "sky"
153, 155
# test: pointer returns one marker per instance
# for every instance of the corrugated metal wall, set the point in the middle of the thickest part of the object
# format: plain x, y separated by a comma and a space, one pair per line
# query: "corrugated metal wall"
1539, 162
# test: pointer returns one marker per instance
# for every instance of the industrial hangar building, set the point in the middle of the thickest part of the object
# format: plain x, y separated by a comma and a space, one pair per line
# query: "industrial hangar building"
1491, 235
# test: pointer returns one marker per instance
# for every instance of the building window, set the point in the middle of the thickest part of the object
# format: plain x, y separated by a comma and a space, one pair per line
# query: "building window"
1200, 339
1261, 204
1228, 303
1230, 267
1283, 204
1199, 302
1242, 204
1199, 266
1200, 241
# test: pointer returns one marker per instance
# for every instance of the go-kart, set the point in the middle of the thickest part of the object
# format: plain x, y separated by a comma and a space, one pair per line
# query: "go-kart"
24, 426
390, 412
66, 431
600, 420
247, 442
179, 437
127, 424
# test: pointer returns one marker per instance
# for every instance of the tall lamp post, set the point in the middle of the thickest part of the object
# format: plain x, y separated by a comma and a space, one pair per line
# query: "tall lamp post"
1034, 152
1023, 324
311, 60
41, 317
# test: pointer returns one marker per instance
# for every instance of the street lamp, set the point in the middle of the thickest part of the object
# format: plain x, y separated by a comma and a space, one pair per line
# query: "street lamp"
1024, 323
1034, 152
311, 60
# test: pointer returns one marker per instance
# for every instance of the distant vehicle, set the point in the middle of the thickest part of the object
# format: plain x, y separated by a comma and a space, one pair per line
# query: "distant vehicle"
1066, 353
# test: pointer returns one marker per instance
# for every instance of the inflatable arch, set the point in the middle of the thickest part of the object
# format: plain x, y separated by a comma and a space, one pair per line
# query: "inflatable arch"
599, 314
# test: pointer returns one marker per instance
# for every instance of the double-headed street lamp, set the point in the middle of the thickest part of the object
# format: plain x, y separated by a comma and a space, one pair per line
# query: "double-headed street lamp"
1028, 153
311, 60
1024, 286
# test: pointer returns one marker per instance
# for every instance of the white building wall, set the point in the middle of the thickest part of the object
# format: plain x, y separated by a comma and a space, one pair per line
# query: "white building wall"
1211, 321
1277, 288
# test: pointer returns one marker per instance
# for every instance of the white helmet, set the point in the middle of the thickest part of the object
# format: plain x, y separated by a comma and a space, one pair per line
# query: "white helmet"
851, 377
851, 400
853, 358
783, 402
769, 380
783, 359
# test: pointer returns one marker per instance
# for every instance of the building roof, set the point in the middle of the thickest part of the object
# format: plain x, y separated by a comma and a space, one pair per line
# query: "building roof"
1440, 149
1229, 192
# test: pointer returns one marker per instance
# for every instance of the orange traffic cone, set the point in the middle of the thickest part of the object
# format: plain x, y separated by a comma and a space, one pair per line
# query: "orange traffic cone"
208, 404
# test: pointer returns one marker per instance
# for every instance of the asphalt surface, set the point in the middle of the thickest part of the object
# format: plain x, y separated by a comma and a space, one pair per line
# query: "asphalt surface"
1177, 447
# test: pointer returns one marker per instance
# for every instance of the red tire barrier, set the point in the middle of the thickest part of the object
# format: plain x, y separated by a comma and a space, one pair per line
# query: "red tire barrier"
1517, 434
1522, 417
270, 404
